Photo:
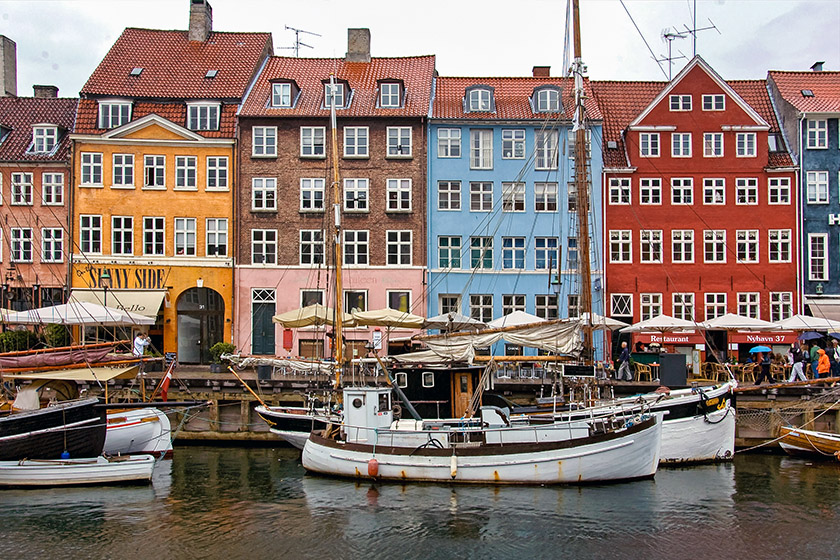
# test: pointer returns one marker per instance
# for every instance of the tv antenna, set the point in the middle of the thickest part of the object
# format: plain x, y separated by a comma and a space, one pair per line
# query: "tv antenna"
670, 36
298, 42
694, 29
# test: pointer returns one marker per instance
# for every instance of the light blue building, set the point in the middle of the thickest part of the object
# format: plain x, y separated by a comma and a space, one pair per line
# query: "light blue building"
502, 226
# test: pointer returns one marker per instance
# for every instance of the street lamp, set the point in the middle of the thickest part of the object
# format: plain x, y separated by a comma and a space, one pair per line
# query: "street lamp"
105, 282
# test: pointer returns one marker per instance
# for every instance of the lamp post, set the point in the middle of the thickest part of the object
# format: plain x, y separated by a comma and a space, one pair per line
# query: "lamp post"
105, 282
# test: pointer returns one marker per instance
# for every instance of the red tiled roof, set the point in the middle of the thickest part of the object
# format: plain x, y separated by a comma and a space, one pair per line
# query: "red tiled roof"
415, 72
755, 93
511, 96
825, 85
87, 119
19, 114
175, 67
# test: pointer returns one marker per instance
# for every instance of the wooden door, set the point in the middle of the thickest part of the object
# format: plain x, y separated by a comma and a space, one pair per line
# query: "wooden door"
462, 390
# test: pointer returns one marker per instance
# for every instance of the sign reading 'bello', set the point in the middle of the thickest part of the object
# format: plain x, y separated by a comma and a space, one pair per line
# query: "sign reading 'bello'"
123, 277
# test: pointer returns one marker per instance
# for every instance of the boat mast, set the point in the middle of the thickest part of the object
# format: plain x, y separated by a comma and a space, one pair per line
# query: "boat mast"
338, 342
582, 189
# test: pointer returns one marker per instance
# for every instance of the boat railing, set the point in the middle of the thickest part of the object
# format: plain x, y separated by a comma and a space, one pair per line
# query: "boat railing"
516, 371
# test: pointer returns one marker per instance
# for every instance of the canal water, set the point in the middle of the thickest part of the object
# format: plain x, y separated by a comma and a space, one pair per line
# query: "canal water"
253, 503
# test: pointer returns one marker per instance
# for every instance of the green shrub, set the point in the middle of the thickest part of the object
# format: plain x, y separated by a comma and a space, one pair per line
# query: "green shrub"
220, 348
56, 336
16, 341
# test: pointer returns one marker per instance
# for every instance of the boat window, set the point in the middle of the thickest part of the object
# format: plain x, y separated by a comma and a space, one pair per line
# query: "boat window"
402, 379
357, 403
428, 379
384, 402
464, 385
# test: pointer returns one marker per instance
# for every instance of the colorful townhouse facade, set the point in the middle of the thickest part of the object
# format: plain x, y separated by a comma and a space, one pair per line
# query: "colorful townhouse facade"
808, 108
502, 226
285, 206
700, 203
155, 167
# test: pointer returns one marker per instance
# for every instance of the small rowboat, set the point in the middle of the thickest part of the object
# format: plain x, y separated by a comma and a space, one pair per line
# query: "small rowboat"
136, 469
808, 443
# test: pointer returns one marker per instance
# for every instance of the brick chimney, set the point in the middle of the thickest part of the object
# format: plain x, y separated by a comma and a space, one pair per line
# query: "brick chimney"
817, 66
358, 45
201, 20
45, 92
8, 67
542, 71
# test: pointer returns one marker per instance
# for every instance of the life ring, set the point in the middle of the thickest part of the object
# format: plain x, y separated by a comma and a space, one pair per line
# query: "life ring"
396, 410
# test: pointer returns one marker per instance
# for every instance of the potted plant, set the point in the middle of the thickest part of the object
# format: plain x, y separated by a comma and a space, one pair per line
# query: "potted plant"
216, 352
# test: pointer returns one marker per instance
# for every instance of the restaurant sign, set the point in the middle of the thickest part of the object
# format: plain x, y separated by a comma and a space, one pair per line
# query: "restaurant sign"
123, 277
762, 338
670, 338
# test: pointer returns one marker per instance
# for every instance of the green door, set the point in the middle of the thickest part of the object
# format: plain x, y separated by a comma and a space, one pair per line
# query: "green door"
263, 328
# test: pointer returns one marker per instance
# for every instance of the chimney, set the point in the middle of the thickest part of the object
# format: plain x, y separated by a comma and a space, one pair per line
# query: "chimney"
8, 67
817, 66
201, 20
358, 45
45, 92
542, 71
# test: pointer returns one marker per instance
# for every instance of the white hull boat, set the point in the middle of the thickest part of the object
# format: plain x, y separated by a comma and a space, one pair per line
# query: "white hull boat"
76, 472
293, 424
138, 431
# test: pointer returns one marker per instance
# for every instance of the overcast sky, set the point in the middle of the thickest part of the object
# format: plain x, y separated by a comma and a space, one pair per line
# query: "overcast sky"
60, 42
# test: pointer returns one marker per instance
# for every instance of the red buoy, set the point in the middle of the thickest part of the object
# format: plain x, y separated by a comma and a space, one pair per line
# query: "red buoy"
373, 468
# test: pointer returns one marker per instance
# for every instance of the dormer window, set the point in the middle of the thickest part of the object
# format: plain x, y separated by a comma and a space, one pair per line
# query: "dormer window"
334, 95
390, 95
44, 139
285, 93
114, 113
203, 116
547, 100
479, 100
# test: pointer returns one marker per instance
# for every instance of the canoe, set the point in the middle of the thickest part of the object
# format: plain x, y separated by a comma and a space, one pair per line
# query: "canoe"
809, 443
136, 469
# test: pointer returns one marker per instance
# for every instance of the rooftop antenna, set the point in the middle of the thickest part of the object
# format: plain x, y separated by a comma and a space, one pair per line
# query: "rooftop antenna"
670, 36
694, 29
298, 42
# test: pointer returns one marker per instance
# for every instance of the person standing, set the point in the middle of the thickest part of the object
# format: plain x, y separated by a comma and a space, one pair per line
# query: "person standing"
798, 370
823, 364
624, 364
140, 343
763, 368
815, 358
835, 358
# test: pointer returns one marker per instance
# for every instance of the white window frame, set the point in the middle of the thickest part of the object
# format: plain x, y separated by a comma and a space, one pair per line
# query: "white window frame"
186, 173
714, 245
90, 234
203, 116
715, 305
513, 143
356, 247
154, 234
620, 191
44, 139
513, 302
650, 191
682, 191
185, 238
746, 145
356, 142
481, 148
449, 196
682, 305
390, 95
650, 305
649, 144
216, 235
449, 303
481, 307
52, 245
313, 142
746, 246
113, 114
481, 252
449, 142
546, 306
816, 187
548, 101
20, 245
398, 247
399, 137
513, 197
481, 196
312, 194
545, 196
122, 171
263, 194
264, 142
356, 194
91, 169
650, 246
398, 194
679, 102
22, 189
781, 306
265, 240
682, 246
122, 235
52, 189
817, 134
746, 191
713, 144
314, 240
155, 164
449, 253
621, 305
546, 253
513, 253
217, 172
779, 245
681, 144
778, 190
546, 143
335, 93
749, 304
479, 100
714, 102
281, 94
621, 246
818, 263
714, 191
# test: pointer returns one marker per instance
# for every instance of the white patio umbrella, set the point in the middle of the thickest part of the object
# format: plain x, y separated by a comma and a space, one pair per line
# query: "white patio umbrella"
514, 319
388, 317
600, 322
311, 315
452, 322
806, 323
77, 313
733, 322
662, 323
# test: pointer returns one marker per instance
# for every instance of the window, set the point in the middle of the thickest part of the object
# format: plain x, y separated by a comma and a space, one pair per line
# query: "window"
481, 252
620, 191
747, 245
428, 379
203, 116
217, 173
547, 253
356, 141
778, 190
481, 307
571, 141
571, 254
481, 197
816, 187
548, 101
781, 306
449, 142
21, 245
52, 245
449, 195
311, 246
512, 302
513, 197
748, 304
91, 169
281, 95
715, 305
389, 95
154, 172
713, 144
355, 300
621, 305
817, 134
745, 144
651, 305
449, 303
122, 235
546, 141
682, 191
573, 305
263, 193
818, 256
513, 143
123, 170
650, 191
217, 237
621, 250
398, 247
545, 197
264, 141
356, 194
186, 169
681, 144
356, 247
714, 246
398, 192
114, 114
680, 103
399, 300
649, 144
449, 251
746, 191
22, 189
479, 100
683, 305
780, 245
311, 297
312, 195
651, 245
90, 234
714, 102
334, 95
264, 246
401, 378
399, 141
44, 139
312, 141
153, 235
682, 246
714, 191
545, 306
481, 149
513, 253
185, 237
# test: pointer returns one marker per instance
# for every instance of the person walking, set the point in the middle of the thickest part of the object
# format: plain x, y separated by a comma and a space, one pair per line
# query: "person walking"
624, 364
823, 364
763, 368
798, 370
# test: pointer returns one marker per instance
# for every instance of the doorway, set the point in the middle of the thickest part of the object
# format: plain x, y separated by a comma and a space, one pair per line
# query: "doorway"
462, 390
201, 320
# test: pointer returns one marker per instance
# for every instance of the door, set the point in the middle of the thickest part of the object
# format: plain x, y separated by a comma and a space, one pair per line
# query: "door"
462, 391
201, 319
262, 328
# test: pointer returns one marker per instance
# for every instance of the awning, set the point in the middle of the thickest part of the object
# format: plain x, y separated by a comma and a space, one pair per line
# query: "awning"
79, 374
827, 308
144, 302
